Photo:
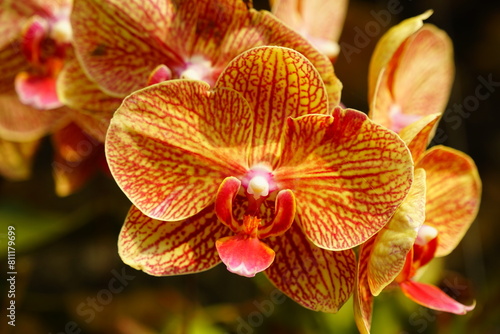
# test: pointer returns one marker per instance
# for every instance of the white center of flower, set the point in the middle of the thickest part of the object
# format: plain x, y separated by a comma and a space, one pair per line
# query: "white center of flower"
61, 31
198, 68
425, 234
258, 186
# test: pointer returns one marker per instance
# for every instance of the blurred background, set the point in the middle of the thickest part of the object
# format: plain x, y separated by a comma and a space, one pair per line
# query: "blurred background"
71, 280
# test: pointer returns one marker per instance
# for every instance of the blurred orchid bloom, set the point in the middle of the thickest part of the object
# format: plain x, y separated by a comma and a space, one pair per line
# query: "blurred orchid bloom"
35, 46
185, 153
319, 21
16, 159
123, 46
411, 73
439, 209
33, 43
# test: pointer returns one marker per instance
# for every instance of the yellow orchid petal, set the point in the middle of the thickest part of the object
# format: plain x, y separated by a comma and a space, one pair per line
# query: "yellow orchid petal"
319, 21
277, 83
395, 240
417, 80
315, 278
423, 75
453, 194
169, 155
363, 298
163, 248
16, 159
348, 175
115, 39
387, 46
278, 34
419, 134
22, 123
77, 91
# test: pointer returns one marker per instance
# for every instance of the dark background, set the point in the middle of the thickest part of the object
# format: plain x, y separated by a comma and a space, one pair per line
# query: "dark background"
67, 255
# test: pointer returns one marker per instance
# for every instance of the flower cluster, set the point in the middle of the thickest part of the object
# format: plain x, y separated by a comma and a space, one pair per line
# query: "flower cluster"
223, 126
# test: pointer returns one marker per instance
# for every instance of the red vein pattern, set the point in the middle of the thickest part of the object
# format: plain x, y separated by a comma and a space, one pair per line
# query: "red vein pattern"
453, 194
418, 78
19, 122
348, 175
122, 42
278, 83
162, 248
167, 153
419, 134
77, 91
396, 239
315, 278
125, 41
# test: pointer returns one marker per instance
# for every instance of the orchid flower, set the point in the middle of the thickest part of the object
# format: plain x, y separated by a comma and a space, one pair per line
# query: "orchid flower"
30, 59
126, 45
411, 73
319, 21
185, 153
432, 220
36, 49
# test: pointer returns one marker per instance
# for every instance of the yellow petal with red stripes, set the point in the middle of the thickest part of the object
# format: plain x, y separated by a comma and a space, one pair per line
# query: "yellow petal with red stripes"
77, 91
348, 175
170, 145
396, 239
313, 277
453, 194
277, 83
419, 134
163, 248
120, 42
387, 46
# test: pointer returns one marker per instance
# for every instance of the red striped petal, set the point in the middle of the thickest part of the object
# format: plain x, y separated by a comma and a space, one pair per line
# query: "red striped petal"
396, 239
162, 248
313, 277
406, 90
244, 255
77, 91
363, 298
120, 42
22, 123
387, 46
419, 134
433, 298
277, 83
169, 155
348, 175
275, 33
318, 20
453, 194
